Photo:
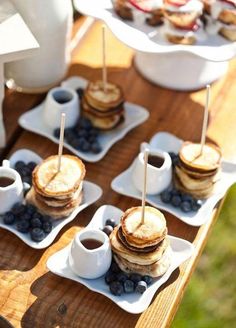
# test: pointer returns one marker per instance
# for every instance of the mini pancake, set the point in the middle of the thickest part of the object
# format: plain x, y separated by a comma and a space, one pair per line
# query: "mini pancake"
54, 212
180, 39
48, 182
154, 270
96, 112
135, 256
103, 100
209, 160
147, 234
106, 123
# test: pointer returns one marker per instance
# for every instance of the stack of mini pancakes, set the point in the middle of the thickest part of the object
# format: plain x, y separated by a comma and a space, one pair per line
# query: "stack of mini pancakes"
104, 107
142, 248
54, 193
197, 172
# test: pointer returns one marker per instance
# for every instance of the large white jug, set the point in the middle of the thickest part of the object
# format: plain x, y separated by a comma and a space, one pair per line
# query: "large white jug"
50, 21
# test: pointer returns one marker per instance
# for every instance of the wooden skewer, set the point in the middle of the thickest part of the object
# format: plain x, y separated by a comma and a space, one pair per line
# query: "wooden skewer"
61, 141
104, 67
144, 186
205, 119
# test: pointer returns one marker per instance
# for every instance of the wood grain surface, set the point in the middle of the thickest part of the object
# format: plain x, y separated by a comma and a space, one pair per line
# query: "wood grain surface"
30, 296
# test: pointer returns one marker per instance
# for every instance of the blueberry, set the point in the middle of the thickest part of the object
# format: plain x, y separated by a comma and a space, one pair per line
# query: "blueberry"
56, 133
175, 161
187, 198
110, 276
107, 229
82, 133
94, 132
116, 288
18, 209
47, 226
197, 203
115, 268
172, 154
46, 218
23, 226
176, 200
135, 277
37, 215
141, 287
95, 147
121, 277
31, 165
175, 192
25, 172
9, 218
27, 179
185, 206
37, 234
25, 216
110, 222
76, 143
85, 123
36, 223
80, 92
19, 165
31, 209
166, 196
128, 286
85, 146
69, 135
147, 279
91, 139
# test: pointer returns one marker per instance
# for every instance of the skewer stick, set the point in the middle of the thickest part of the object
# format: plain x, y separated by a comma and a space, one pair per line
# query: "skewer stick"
205, 119
61, 141
104, 67
144, 186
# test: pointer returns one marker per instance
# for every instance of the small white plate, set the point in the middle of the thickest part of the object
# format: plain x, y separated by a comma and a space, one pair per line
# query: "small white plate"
133, 303
168, 142
134, 116
91, 193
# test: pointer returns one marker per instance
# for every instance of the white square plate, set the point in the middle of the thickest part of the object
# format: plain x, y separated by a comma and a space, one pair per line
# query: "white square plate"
134, 116
91, 193
168, 142
133, 303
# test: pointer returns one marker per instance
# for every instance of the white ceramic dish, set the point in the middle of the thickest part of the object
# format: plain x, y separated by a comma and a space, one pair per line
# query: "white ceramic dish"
168, 142
133, 303
147, 39
91, 191
134, 116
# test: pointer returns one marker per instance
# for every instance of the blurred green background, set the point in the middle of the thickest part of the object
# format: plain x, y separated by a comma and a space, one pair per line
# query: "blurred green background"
210, 298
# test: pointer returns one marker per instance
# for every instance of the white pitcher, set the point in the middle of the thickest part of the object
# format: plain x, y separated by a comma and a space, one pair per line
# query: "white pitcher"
50, 21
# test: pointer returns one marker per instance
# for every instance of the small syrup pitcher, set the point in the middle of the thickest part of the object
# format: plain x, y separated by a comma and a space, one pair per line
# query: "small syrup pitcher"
90, 255
11, 187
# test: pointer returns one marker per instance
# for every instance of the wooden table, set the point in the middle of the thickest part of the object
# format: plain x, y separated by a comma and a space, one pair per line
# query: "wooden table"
30, 296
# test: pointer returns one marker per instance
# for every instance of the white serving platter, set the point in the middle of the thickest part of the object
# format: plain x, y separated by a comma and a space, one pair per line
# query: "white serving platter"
91, 193
132, 303
134, 116
148, 39
168, 142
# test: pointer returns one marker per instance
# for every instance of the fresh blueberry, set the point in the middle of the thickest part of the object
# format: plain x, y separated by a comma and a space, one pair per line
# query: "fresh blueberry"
176, 200
175, 192
56, 133
37, 234
31, 209
95, 147
110, 222
116, 288
197, 203
80, 92
185, 206
18, 209
147, 279
121, 277
26, 216
172, 154
141, 287
36, 223
107, 229
115, 268
128, 286
85, 123
94, 132
25, 172
166, 196
9, 218
82, 133
91, 139
186, 197
85, 147
47, 226
27, 179
19, 165
135, 277
175, 160
69, 135
37, 215
76, 143
110, 276
31, 165
46, 218
23, 226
